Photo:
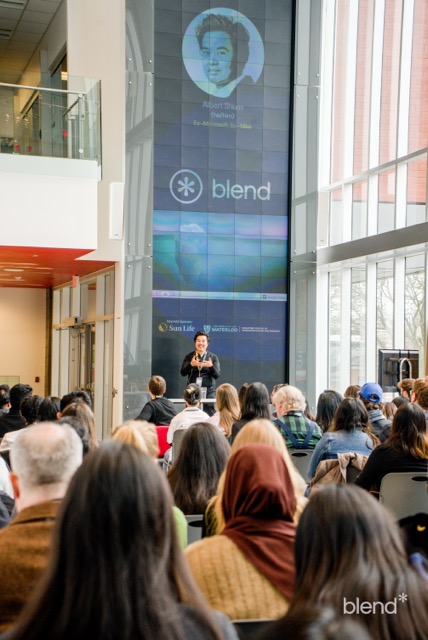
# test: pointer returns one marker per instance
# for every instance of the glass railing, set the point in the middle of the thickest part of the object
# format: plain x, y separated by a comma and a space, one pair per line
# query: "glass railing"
53, 123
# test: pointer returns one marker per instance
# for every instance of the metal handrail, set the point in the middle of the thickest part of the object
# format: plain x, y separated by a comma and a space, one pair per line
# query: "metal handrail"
24, 86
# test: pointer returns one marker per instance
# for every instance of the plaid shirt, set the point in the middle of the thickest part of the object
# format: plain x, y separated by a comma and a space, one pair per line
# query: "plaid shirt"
299, 426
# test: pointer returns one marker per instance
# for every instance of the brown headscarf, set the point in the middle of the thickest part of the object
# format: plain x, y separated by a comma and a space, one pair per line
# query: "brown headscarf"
258, 506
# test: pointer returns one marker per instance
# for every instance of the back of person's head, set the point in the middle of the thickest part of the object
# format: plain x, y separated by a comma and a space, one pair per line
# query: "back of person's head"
227, 403
262, 431
314, 623
256, 402
409, 431
4, 388
192, 395
18, 393
82, 411
389, 409
420, 390
351, 414
291, 398
146, 430
80, 428
195, 474
49, 409
371, 394
328, 401
129, 434
399, 400
80, 394
4, 399
117, 523
406, 386
30, 407
357, 552
258, 484
352, 391
242, 393
45, 454
157, 385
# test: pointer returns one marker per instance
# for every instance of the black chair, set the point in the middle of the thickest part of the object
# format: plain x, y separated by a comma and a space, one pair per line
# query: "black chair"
251, 628
195, 524
301, 459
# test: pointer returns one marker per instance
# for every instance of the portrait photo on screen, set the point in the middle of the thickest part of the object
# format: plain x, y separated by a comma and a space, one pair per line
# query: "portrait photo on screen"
221, 50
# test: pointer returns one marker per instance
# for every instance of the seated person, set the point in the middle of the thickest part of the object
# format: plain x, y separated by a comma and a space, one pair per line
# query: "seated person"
405, 450
297, 430
247, 571
159, 409
371, 395
350, 433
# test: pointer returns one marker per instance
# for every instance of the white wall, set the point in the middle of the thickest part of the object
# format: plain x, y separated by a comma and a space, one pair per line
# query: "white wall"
22, 331
52, 202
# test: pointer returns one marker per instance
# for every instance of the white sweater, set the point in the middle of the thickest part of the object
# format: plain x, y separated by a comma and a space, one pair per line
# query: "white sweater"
185, 419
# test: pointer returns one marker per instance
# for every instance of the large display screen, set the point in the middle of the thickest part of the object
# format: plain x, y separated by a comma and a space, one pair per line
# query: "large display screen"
220, 227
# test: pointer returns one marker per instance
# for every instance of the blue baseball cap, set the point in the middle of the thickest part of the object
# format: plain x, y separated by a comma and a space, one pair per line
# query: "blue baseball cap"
371, 391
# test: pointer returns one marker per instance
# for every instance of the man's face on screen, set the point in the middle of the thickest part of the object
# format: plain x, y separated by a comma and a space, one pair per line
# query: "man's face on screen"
218, 54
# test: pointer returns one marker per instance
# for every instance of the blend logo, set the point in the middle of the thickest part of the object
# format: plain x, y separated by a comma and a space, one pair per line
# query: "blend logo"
187, 187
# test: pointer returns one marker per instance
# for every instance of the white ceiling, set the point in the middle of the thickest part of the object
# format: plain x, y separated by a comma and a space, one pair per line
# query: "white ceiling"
22, 25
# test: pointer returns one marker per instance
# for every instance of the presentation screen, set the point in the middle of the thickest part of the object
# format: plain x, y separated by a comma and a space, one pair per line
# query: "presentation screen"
221, 164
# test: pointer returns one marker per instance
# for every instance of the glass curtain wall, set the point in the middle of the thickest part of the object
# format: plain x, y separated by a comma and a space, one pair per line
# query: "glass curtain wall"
372, 188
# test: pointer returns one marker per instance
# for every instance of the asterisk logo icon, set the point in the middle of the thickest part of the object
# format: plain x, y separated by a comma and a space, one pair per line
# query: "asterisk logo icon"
402, 597
186, 186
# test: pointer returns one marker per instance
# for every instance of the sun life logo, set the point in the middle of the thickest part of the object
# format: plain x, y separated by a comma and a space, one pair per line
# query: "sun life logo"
186, 186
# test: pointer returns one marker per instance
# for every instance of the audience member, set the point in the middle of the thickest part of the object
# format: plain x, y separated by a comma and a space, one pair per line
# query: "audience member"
352, 391
389, 409
4, 403
405, 387
81, 430
194, 476
44, 457
191, 414
132, 432
248, 570
349, 551
420, 394
256, 404
82, 411
297, 430
49, 409
242, 393
4, 388
13, 420
116, 569
158, 409
371, 395
80, 394
399, 400
30, 407
350, 432
228, 408
327, 404
405, 450
147, 431
258, 431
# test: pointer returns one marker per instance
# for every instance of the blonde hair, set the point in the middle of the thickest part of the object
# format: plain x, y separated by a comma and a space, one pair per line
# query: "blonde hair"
227, 403
139, 433
261, 431
292, 397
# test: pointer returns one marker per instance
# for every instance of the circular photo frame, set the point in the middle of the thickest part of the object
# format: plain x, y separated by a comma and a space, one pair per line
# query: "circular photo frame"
222, 49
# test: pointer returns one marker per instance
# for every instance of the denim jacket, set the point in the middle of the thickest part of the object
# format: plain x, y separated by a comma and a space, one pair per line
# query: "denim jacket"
334, 442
